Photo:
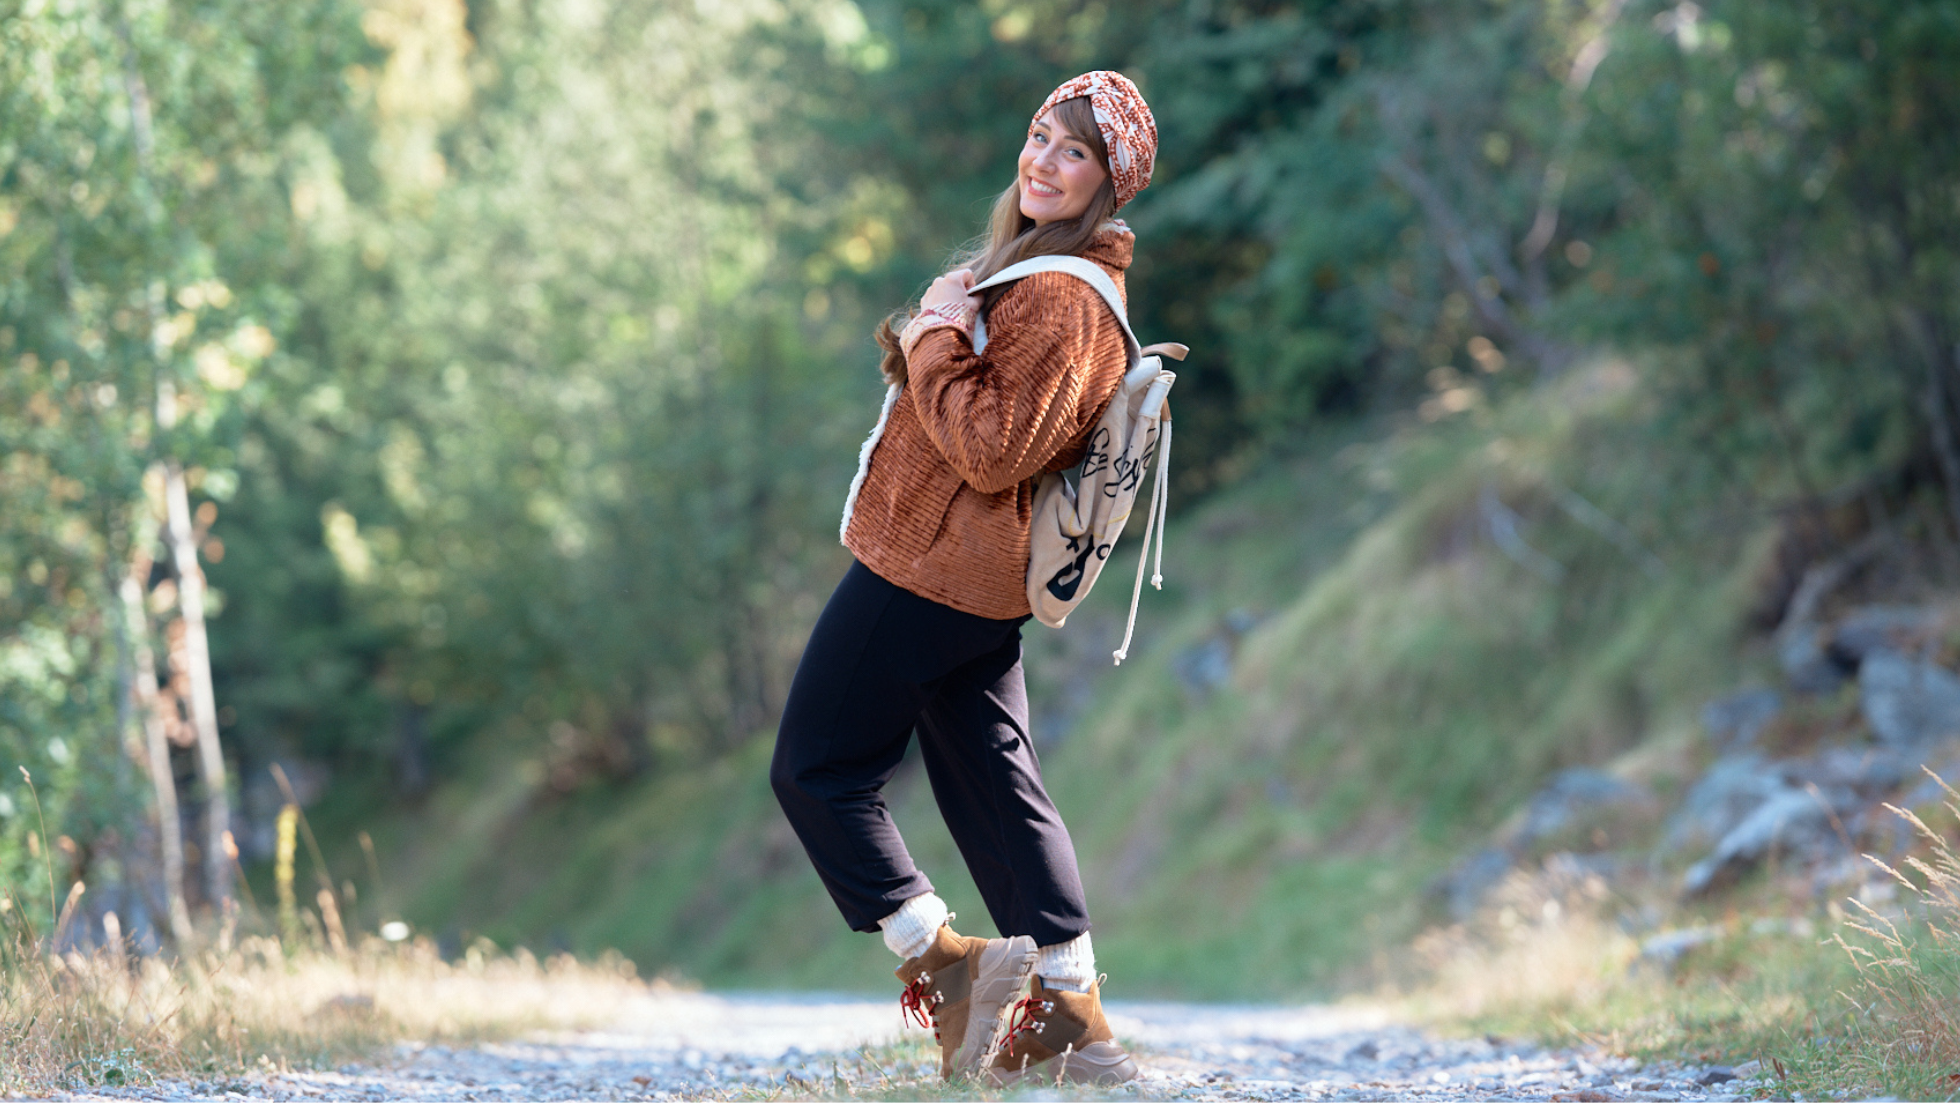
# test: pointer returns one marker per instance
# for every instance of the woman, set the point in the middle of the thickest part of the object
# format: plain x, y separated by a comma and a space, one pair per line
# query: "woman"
925, 629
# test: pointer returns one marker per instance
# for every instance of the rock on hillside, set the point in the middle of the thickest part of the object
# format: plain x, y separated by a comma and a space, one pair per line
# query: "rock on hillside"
1814, 811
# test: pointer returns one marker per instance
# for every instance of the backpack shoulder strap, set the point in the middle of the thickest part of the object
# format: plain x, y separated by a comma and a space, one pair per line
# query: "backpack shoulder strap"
1087, 271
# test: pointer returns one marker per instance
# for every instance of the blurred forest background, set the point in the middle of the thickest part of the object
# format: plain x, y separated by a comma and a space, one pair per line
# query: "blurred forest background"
501, 366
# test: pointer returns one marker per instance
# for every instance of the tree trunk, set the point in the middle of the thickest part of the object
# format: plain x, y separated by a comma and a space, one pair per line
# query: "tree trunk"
218, 849
170, 838
203, 700
1917, 331
1946, 450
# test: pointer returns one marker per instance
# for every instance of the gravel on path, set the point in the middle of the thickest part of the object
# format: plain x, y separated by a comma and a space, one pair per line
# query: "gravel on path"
675, 1045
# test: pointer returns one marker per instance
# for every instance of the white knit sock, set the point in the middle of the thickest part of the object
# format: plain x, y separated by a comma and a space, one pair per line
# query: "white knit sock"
1070, 965
910, 930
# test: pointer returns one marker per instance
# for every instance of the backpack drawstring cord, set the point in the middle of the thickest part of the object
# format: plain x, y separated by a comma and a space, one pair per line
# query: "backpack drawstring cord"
1163, 501
1153, 525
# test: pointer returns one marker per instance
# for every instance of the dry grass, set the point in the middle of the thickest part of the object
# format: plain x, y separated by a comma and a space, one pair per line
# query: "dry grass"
1539, 956
1550, 959
1905, 1039
1873, 1010
1536, 955
317, 995
78, 1020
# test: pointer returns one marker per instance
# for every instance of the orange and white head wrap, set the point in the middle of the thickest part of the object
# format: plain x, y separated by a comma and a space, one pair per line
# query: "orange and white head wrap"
1128, 129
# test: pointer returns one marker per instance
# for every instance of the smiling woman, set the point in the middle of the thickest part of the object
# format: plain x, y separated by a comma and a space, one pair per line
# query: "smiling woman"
924, 632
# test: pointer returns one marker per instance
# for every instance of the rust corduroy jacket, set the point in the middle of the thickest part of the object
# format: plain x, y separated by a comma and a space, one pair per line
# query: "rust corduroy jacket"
946, 502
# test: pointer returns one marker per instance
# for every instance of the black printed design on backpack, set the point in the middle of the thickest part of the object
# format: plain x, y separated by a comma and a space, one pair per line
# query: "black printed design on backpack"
1129, 473
1069, 578
1095, 457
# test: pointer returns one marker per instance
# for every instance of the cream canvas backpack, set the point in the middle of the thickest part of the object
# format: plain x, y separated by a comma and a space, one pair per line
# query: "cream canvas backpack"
1076, 525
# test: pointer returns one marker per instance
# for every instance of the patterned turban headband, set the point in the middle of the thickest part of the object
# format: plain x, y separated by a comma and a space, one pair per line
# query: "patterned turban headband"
1128, 130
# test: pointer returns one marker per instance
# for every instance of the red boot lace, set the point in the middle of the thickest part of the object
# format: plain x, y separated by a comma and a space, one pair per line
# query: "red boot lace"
920, 1004
1021, 1019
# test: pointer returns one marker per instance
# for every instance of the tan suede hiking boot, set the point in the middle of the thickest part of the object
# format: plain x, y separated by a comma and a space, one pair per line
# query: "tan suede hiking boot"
961, 988
1055, 1037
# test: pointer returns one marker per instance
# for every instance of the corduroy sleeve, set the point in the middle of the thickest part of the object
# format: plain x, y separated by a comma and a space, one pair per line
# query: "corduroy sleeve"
999, 416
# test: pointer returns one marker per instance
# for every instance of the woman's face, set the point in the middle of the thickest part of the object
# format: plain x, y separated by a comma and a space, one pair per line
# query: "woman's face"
1059, 173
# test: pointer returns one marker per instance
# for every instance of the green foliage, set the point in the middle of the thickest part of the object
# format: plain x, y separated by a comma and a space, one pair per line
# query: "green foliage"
520, 350
573, 433
144, 252
1761, 242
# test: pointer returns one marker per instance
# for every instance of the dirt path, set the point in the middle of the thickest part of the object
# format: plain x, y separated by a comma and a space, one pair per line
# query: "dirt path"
772, 1045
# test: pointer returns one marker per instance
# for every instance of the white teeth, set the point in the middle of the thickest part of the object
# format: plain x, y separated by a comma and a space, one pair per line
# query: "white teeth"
1039, 188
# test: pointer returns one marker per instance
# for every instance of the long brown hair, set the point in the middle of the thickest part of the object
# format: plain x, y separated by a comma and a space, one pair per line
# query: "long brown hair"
1012, 237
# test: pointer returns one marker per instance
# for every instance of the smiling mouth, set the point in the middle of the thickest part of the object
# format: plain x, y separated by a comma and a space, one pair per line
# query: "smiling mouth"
1045, 191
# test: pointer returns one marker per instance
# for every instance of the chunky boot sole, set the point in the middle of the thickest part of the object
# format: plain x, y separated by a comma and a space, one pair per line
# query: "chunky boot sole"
1005, 965
1102, 1063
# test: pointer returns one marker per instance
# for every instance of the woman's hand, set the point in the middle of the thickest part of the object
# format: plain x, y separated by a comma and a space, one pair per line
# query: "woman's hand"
951, 290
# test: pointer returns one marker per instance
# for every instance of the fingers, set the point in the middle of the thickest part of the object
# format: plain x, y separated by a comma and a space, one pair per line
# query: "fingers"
952, 287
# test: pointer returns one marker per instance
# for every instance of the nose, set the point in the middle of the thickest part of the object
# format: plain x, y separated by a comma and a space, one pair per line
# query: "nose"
1045, 160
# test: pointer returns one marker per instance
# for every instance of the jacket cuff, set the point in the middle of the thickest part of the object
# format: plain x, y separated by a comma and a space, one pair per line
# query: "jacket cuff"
942, 315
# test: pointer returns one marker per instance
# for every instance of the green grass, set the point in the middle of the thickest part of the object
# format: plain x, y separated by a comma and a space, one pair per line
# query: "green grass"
1834, 999
1398, 685
1745, 997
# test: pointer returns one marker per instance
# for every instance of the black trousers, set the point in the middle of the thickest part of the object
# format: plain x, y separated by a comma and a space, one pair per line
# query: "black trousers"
881, 662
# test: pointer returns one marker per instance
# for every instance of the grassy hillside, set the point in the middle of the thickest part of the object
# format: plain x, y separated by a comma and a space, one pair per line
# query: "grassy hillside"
1364, 658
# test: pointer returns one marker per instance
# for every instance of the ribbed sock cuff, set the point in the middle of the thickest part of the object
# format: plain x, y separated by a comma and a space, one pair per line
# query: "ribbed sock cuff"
910, 930
1070, 965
